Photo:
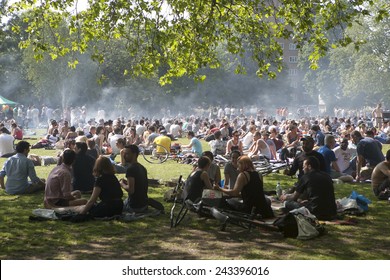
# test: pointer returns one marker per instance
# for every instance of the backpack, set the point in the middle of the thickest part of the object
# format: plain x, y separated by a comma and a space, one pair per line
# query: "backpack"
300, 224
287, 225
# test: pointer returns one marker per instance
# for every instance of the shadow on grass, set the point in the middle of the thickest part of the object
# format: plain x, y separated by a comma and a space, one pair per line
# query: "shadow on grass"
194, 238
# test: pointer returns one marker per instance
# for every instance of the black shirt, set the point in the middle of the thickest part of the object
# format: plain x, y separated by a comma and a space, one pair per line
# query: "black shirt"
253, 196
110, 188
139, 198
318, 186
193, 187
301, 157
83, 179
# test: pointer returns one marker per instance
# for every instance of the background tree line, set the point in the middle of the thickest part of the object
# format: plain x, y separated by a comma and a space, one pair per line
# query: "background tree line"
47, 58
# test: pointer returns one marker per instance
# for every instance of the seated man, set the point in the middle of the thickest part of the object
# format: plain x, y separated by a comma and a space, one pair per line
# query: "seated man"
369, 155
259, 148
307, 151
218, 145
194, 147
163, 141
58, 190
18, 168
136, 182
318, 187
114, 138
6, 143
83, 180
380, 179
331, 166
344, 155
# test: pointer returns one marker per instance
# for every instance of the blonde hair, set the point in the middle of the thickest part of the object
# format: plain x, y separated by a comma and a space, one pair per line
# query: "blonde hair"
103, 166
246, 163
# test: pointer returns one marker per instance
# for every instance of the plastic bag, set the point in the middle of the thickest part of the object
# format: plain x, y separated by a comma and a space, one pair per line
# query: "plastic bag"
361, 200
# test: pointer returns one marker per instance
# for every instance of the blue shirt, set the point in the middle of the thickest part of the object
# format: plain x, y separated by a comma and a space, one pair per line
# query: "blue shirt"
196, 147
370, 150
329, 157
17, 169
319, 138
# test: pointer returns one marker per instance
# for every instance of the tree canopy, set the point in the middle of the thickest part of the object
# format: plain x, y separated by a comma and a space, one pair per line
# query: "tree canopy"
355, 76
185, 36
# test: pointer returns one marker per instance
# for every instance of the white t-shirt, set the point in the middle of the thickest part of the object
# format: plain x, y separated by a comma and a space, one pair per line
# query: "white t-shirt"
247, 140
140, 129
174, 130
6, 144
112, 140
344, 157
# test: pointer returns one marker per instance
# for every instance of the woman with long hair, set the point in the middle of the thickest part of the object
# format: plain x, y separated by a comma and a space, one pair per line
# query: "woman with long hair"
250, 186
107, 188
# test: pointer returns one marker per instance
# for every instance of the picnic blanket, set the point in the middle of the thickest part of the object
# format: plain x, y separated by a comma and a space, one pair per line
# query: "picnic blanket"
69, 214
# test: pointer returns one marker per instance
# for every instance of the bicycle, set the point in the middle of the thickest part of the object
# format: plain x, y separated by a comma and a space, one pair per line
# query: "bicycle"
151, 155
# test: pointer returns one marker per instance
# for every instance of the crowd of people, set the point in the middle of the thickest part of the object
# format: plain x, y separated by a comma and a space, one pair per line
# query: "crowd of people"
319, 150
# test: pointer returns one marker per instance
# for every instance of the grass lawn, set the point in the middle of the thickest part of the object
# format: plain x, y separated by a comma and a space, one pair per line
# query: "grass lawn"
195, 238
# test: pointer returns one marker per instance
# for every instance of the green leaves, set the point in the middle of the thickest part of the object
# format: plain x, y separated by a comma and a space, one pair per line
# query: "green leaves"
185, 36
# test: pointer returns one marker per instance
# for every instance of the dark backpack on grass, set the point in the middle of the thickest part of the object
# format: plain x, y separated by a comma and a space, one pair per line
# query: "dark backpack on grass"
287, 225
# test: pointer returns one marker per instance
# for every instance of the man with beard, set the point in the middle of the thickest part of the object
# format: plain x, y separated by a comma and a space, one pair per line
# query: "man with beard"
318, 189
307, 147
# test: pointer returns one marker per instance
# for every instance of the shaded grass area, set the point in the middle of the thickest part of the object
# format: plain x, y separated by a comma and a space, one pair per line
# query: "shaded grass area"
194, 238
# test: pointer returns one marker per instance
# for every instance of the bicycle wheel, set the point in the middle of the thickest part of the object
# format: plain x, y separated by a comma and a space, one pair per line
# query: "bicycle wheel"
158, 155
178, 214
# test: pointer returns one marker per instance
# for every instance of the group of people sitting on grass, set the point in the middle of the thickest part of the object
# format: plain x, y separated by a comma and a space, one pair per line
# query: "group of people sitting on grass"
79, 173
319, 151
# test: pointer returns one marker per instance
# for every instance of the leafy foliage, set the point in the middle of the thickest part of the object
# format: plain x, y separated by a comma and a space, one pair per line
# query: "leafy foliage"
186, 35
356, 74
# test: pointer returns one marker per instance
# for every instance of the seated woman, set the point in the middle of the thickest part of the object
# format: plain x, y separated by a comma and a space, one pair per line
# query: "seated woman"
107, 188
16, 131
234, 144
72, 134
132, 137
214, 171
231, 172
197, 180
123, 165
250, 186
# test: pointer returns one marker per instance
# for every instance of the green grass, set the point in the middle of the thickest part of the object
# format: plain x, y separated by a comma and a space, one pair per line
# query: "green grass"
195, 238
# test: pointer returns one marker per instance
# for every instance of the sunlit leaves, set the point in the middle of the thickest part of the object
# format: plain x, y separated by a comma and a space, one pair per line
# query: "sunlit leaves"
185, 35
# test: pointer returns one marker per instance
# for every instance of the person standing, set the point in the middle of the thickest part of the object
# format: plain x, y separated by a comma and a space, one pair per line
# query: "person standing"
377, 114
18, 169
136, 182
